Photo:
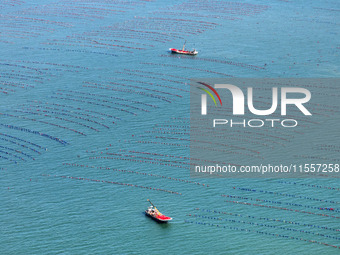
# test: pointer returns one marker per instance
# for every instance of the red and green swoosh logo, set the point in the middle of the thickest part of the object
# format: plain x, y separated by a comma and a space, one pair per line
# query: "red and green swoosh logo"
209, 93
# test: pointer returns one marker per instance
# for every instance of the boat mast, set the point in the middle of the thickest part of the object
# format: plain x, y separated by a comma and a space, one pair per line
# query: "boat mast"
151, 203
184, 45
153, 206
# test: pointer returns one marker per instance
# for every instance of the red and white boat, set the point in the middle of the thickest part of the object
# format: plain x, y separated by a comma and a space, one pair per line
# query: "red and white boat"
183, 51
153, 213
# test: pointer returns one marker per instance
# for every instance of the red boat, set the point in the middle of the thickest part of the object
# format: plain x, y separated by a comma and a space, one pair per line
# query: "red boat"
153, 213
183, 51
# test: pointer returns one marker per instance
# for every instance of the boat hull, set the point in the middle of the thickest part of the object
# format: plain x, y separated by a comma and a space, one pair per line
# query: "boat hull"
157, 219
183, 52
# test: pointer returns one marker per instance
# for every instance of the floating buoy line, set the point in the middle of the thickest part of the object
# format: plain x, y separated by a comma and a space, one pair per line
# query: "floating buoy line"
111, 182
136, 172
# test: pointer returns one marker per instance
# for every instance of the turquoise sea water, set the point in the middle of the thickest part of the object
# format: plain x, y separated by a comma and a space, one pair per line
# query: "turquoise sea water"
89, 90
